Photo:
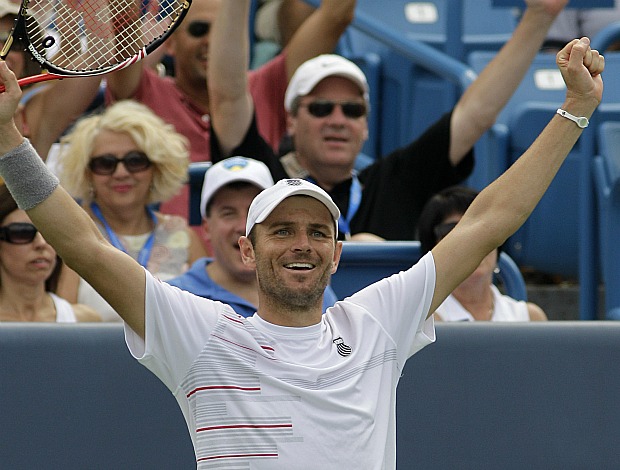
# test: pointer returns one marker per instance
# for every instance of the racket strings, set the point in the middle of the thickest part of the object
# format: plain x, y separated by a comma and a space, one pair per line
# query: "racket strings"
91, 35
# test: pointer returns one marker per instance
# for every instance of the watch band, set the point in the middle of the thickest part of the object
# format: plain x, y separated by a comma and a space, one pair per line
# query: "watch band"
581, 121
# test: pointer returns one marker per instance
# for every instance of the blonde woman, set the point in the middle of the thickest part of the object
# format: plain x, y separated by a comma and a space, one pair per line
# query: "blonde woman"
119, 164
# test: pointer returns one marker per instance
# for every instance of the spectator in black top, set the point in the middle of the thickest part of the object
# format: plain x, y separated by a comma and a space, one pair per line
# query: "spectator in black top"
327, 138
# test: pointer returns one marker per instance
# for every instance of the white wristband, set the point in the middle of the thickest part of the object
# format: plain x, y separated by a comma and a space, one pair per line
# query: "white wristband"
581, 121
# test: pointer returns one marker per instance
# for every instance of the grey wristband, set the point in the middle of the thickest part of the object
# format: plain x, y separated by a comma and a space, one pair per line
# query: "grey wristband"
26, 176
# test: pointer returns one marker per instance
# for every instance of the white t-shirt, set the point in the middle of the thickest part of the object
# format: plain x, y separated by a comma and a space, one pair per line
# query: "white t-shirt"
505, 308
266, 396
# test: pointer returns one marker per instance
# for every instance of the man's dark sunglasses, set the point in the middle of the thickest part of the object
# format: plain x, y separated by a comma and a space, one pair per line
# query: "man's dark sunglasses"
442, 230
198, 29
134, 162
323, 108
18, 233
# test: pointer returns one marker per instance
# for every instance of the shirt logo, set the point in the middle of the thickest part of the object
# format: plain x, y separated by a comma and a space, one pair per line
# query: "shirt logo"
343, 349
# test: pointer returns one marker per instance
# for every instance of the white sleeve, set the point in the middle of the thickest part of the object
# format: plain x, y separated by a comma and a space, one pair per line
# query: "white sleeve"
177, 326
401, 303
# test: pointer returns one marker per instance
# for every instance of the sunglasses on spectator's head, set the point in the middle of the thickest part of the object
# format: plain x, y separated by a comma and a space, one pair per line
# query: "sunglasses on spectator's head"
442, 230
198, 29
323, 108
18, 233
134, 161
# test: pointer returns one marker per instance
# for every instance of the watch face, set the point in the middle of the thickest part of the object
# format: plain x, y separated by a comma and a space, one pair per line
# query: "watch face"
582, 122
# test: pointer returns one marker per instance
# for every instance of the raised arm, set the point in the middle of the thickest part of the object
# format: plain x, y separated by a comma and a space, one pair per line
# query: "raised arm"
65, 226
478, 108
52, 111
502, 207
230, 100
320, 33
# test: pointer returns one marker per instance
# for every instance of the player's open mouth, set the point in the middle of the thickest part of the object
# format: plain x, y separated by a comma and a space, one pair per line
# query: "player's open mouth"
299, 266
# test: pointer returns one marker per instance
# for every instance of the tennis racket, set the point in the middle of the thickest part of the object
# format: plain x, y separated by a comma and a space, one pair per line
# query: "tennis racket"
81, 38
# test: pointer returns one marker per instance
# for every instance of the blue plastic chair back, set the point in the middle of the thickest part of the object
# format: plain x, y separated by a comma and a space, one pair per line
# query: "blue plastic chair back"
371, 65
534, 103
606, 172
418, 83
362, 264
196, 176
456, 27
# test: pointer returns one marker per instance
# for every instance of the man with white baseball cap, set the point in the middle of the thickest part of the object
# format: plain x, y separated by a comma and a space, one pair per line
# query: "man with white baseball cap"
327, 103
227, 191
313, 71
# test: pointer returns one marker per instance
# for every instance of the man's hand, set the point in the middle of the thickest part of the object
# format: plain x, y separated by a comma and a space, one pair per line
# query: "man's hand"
581, 69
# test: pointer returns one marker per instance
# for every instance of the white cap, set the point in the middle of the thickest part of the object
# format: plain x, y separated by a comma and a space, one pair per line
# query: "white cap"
232, 170
7, 7
310, 73
268, 200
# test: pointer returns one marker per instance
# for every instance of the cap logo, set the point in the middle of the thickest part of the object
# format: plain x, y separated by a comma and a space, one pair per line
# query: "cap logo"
293, 182
235, 164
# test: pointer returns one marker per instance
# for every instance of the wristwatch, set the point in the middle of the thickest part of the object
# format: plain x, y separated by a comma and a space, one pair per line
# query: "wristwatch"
581, 121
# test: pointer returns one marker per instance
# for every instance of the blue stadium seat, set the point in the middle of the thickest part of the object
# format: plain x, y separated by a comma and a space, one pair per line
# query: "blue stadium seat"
418, 84
455, 27
361, 264
572, 4
196, 175
606, 171
535, 102
371, 65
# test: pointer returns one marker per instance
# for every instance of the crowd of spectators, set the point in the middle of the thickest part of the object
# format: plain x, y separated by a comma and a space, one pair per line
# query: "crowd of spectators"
127, 161
237, 317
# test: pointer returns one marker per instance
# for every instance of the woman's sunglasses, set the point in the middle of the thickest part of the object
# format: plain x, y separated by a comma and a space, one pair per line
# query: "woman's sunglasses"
106, 164
198, 29
18, 233
323, 108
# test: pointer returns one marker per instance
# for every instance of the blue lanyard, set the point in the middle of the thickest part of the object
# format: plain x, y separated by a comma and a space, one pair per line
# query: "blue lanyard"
145, 251
355, 199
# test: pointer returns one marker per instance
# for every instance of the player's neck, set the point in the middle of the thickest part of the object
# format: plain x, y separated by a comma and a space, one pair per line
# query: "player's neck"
282, 314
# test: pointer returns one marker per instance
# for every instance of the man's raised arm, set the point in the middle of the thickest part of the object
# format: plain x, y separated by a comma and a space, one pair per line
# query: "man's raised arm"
64, 225
230, 101
502, 207
478, 108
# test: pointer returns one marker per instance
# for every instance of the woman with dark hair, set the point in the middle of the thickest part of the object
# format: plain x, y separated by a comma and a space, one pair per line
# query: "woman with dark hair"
29, 272
476, 299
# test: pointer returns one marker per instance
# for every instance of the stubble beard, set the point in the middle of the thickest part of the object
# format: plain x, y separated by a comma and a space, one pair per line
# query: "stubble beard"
291, 298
